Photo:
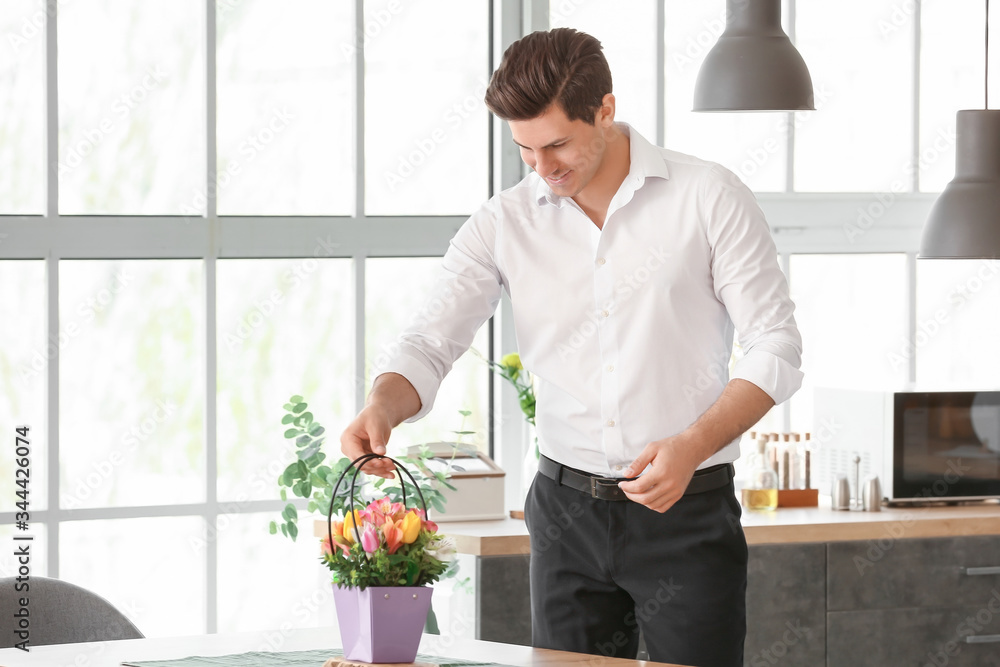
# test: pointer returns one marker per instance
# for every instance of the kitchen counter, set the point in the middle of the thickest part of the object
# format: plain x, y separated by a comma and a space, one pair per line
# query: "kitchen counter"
791, 525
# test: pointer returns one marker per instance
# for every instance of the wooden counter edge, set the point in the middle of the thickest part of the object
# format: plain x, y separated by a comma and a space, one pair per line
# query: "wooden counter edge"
893, 526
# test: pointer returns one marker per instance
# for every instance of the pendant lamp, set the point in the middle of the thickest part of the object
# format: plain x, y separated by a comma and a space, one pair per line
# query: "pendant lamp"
964, 222
754, 66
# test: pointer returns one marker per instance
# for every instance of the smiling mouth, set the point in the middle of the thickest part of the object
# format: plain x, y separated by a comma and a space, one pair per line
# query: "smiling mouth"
560, 180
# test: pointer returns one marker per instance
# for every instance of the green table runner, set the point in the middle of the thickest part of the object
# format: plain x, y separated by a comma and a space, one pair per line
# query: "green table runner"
314, 658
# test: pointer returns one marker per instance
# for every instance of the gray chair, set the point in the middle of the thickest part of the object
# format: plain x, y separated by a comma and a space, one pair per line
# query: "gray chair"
61, 613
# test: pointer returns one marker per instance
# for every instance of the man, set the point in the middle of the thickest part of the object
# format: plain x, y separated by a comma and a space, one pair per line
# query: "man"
628, 267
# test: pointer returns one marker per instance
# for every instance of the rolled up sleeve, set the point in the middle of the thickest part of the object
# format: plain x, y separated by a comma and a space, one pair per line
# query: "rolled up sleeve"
748, 280
464, 296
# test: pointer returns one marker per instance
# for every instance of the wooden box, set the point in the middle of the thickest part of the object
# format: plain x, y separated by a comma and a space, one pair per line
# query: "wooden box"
478, 482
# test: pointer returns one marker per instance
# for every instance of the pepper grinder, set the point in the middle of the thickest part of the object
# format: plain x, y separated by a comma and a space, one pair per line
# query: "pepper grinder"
856, 495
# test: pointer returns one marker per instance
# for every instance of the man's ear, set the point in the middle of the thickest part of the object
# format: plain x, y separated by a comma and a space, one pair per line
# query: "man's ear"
606, 112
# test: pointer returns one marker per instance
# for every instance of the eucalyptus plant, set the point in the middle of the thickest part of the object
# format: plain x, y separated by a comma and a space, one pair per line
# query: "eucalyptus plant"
313, 477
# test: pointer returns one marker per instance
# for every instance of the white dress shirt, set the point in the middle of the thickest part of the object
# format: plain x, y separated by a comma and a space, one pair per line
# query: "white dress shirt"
628, 329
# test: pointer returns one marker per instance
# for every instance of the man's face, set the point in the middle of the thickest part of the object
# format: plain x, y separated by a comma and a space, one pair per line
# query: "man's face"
566, 153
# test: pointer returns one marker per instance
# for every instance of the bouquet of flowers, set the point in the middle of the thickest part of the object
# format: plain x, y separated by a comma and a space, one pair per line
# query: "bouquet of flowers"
386, 544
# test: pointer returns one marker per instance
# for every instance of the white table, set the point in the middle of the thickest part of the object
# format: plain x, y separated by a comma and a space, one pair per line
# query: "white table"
111, 654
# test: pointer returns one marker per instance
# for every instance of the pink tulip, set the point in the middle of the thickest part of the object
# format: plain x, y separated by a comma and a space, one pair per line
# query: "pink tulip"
369, 539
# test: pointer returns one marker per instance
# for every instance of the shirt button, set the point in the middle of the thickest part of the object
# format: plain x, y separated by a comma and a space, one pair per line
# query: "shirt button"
611, 369
600, 261
618, 467
611, 422
604, 313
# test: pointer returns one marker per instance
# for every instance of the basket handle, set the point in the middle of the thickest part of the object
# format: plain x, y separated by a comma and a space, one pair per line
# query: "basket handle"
356, 464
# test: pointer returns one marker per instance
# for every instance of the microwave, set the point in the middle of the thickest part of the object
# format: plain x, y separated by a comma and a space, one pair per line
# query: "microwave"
925, 446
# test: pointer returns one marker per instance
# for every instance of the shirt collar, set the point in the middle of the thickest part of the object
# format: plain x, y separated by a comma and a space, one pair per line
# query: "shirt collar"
645, 160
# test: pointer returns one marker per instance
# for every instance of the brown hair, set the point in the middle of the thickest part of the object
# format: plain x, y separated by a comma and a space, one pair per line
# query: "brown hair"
561, 65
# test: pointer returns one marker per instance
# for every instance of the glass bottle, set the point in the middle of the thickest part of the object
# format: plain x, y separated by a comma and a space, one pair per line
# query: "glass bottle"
761, 491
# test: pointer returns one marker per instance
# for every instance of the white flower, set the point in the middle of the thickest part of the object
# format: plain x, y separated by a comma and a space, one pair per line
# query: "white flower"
442, 548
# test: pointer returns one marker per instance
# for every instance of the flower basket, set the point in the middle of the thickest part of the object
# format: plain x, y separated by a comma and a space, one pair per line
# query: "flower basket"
381, 623
377, 553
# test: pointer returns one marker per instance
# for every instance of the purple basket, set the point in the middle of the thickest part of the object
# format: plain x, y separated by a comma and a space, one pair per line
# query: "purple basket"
381, 623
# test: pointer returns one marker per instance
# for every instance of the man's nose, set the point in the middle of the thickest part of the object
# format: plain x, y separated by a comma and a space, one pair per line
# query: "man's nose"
543, 164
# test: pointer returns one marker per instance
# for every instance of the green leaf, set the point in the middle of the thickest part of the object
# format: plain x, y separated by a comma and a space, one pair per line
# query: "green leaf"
306, 488
303, 470
305, 419
284, 494
300, 408
291, 433
284, 529
287, 419
296, 399
288, 407
272, 528
288, 477
309, 452
293, 531
290, 513
312, 506
465, 413
303, 440
316, 430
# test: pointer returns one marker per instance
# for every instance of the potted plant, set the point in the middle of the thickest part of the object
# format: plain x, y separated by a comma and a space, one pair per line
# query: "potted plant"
384, 556
312, 476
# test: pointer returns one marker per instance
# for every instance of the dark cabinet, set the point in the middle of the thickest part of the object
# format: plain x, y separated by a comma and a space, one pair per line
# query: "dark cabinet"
914, 602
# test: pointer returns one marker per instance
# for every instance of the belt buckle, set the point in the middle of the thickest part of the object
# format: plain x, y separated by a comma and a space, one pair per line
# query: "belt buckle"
598, 482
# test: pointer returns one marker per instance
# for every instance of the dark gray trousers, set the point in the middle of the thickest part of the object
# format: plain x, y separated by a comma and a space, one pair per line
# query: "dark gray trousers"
602, 570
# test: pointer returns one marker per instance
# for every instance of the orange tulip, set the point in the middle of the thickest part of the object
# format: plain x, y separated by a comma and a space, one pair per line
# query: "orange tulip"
393, 535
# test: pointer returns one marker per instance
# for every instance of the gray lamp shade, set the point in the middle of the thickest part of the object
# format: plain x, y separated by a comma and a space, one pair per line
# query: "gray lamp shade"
964, 222
754, 66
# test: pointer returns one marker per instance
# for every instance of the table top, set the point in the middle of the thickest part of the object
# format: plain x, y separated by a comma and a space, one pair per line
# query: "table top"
112, 653
786, 525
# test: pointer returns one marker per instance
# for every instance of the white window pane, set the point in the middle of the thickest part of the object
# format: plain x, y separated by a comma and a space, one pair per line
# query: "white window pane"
131, 395
285, 107
951, 78
24, 359
752, 145
38, 547
629, 41
860, 56
131, 106
151, 569
958, 323
426, 125
395, 289
289, 584
22, 123
284, 327
851, 311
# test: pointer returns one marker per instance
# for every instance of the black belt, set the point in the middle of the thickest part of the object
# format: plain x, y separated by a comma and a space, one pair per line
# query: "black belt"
606, 488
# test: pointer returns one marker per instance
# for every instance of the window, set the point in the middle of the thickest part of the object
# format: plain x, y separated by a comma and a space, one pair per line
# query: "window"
22, 125
131, 78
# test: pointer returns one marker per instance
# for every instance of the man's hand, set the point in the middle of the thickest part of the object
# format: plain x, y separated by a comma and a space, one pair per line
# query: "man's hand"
368, 434
671, 468
675, 459
392, 399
